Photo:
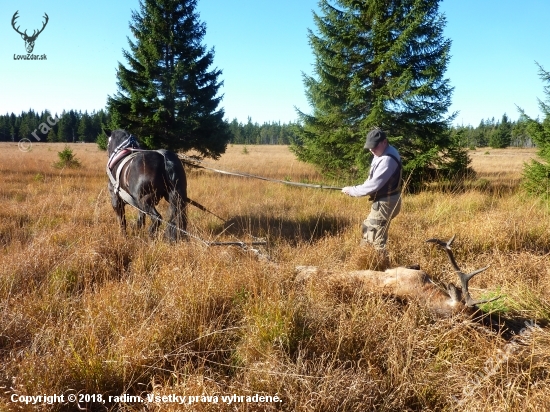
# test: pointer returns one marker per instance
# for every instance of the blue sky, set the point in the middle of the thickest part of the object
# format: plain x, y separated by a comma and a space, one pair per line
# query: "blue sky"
262, 48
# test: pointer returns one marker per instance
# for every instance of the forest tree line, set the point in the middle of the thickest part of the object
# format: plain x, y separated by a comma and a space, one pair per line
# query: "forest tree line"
70, 127
494, 133
76, 126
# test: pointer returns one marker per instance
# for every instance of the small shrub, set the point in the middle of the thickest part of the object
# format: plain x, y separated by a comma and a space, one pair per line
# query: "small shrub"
67, 159
245, 150
102, 141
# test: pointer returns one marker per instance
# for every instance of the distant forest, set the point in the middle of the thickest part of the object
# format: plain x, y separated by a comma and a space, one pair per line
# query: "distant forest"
494, 133
70, 126
73, 126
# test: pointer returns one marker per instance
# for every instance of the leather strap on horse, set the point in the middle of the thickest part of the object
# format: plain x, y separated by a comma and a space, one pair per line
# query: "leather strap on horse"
124, 195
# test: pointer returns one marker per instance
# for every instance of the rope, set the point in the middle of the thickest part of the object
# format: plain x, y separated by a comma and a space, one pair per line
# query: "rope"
243, 245
192, 162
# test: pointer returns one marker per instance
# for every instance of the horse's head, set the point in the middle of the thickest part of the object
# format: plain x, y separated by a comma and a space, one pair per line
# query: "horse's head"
118, 140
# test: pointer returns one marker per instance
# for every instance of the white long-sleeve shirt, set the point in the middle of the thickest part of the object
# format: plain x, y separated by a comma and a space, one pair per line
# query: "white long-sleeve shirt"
381, 169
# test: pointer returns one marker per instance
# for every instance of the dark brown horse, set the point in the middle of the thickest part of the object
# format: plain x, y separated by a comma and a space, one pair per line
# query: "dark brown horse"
141, 178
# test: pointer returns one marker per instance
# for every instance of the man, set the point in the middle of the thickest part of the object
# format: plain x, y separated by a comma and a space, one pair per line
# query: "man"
384, 188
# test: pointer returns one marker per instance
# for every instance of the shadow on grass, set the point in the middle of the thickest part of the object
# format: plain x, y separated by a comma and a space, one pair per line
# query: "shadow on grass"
508, 327
294, 231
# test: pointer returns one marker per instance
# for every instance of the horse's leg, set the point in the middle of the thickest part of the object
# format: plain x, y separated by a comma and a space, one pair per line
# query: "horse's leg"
148, 206
121, 215
177, 220
176, 197
118, 206
140, 220
155, 221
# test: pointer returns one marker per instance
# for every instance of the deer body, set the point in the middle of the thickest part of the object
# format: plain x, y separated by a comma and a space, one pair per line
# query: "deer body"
406, 283
399, 282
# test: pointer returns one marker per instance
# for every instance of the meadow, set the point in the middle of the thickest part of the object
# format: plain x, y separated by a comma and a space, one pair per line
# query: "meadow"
113, 320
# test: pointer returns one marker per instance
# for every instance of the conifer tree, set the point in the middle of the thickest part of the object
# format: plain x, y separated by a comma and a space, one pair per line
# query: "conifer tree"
84, 129
167, 95
4, 128
502, 135
379, 63
28, 123
536, 173
67, 126
52, 136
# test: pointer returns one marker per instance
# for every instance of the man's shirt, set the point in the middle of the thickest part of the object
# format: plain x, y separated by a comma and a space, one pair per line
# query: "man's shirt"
381, 170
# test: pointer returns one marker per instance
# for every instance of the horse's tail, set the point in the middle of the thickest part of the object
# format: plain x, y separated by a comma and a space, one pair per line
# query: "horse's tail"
177, 195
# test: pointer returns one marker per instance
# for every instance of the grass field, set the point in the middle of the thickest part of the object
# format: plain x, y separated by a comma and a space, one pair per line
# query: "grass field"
88, 312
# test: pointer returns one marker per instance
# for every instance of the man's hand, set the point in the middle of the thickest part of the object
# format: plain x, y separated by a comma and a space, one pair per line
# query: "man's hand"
346, 190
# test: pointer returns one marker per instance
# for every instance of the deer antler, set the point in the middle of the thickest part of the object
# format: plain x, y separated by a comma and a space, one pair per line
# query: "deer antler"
15, 16
464, 278
35, 35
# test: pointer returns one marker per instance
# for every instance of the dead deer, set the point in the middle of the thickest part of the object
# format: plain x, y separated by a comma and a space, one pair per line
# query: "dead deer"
410, 283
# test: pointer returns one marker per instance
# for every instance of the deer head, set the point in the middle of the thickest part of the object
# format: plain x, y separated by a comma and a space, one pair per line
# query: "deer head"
456, 294
29, 40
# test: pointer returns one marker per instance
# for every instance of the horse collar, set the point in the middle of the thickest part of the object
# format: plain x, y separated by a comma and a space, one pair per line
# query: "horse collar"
125, 148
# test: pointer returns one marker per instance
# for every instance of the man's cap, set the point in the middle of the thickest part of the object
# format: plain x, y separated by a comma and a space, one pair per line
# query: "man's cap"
374, 137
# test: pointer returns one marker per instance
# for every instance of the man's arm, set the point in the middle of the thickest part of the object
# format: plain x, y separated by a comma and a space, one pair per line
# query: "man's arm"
382, 173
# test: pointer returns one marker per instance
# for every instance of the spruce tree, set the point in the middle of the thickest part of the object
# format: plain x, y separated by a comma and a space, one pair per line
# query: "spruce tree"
83, 129
4, 128
67, 127
52, 136
379, 63
482, 134
520, 134
536, 173
28, 124
167, 95
502, 135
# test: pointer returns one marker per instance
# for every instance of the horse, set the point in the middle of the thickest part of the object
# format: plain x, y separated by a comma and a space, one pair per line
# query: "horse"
142, 178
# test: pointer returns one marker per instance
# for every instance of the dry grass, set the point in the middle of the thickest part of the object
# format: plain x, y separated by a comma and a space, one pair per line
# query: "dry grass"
85, 310
501, 166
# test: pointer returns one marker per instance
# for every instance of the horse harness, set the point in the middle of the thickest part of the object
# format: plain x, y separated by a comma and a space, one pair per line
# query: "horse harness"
128, 155
127, 151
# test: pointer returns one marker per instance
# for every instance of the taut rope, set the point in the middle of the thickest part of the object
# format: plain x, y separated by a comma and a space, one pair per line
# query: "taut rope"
195, 163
